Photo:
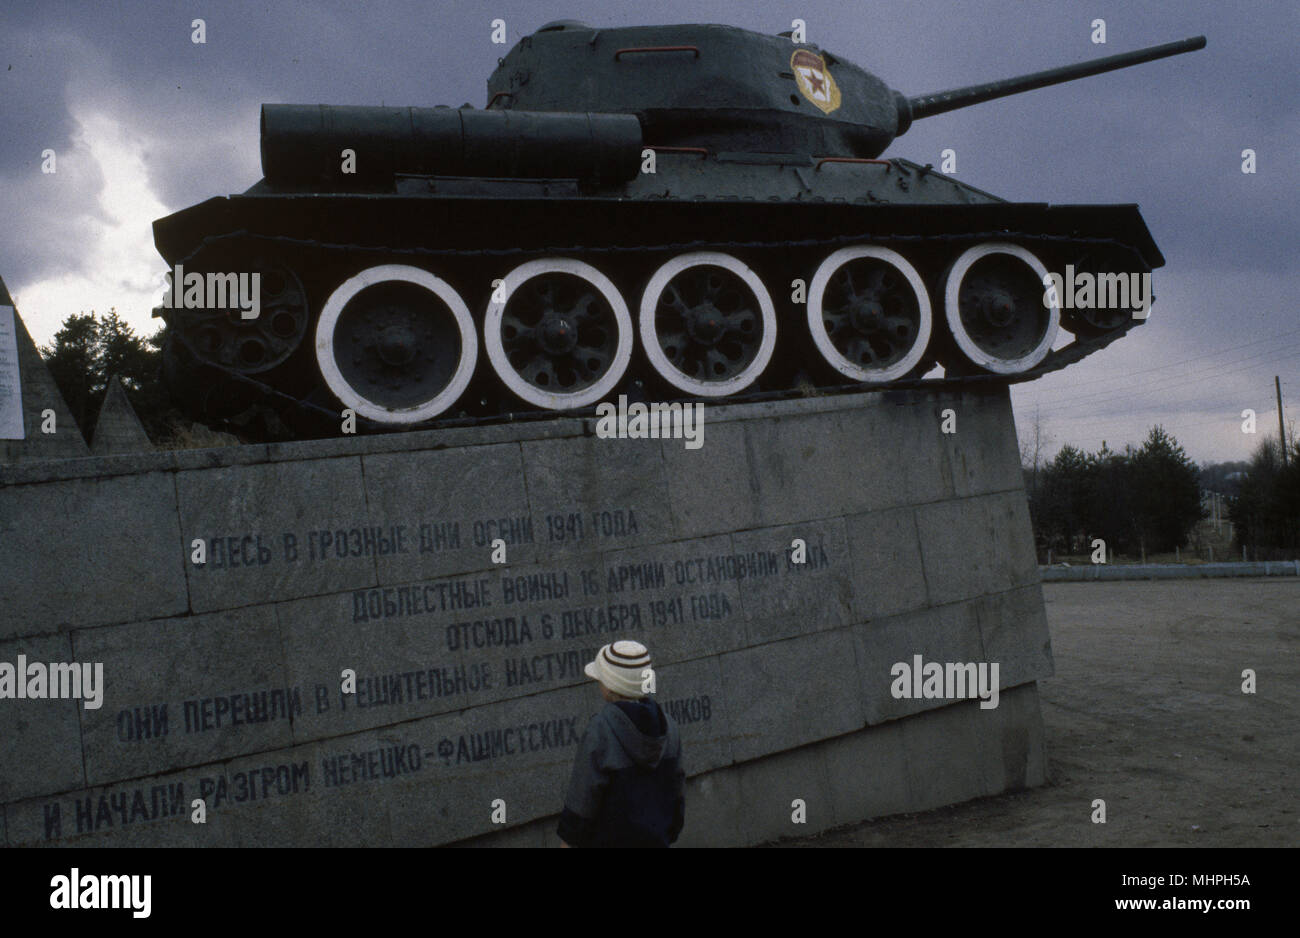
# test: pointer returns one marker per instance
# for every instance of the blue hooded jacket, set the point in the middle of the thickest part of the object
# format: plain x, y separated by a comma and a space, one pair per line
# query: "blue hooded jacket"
628, 786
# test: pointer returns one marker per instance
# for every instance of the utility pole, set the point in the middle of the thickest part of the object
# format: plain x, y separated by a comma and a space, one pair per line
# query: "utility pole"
1281, 431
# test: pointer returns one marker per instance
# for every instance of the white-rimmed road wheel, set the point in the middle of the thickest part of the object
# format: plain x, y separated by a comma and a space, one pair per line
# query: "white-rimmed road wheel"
707, 324
561, 336
993, 300
869, 313
396, 344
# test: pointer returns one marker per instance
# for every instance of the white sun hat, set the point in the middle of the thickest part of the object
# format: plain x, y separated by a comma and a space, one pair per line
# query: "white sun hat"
619, 667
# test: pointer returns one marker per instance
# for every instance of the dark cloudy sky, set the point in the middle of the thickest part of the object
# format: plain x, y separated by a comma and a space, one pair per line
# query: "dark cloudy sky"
144, 122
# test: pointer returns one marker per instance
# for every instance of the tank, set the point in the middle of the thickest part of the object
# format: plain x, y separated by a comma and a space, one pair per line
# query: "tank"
693, 212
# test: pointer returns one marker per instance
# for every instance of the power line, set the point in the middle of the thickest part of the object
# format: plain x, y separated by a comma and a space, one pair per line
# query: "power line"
1178, 395
1172, 382
1198, 375
1185, 361
1142, 416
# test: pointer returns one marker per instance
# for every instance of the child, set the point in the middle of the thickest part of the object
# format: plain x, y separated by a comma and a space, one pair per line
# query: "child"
627, 787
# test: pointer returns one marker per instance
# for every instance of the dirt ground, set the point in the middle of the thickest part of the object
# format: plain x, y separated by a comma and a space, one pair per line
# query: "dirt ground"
1146, 712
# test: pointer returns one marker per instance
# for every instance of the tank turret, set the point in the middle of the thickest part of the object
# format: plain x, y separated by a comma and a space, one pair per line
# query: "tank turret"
670, 212
733, 89
565, 102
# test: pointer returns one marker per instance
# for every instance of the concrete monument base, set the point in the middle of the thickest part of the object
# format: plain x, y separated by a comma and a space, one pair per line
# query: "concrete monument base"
223, 679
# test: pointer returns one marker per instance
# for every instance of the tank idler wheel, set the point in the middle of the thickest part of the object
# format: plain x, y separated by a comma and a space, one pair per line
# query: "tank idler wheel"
1095, 322
869, 314
994, 303
558, 333
707, 324
396, 344
220, 334
1102, 316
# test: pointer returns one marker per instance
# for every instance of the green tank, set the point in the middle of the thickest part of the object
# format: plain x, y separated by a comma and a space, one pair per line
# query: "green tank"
669, 213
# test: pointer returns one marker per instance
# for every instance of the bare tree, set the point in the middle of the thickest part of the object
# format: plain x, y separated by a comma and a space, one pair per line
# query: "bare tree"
1033, 444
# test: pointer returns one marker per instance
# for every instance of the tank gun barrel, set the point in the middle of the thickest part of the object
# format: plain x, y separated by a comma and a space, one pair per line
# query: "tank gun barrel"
928, 105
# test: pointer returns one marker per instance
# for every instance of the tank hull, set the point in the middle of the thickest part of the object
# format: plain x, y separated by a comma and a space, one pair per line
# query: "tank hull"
780, 219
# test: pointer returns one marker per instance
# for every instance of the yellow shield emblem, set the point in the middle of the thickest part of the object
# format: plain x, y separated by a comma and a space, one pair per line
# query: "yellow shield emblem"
814, 80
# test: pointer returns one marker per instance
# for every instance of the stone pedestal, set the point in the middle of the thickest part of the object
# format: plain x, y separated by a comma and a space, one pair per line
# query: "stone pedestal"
375, 555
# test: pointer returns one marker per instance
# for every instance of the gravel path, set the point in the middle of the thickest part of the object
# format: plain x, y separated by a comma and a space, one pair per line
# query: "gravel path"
1146, 712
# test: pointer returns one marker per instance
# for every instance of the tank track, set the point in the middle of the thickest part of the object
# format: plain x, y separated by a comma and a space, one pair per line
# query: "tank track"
273, 413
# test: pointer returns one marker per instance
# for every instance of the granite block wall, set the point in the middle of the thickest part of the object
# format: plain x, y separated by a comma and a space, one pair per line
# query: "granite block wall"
374, 555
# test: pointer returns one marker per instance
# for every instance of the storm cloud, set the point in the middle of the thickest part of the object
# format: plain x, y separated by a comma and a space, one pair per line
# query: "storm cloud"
145, 122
